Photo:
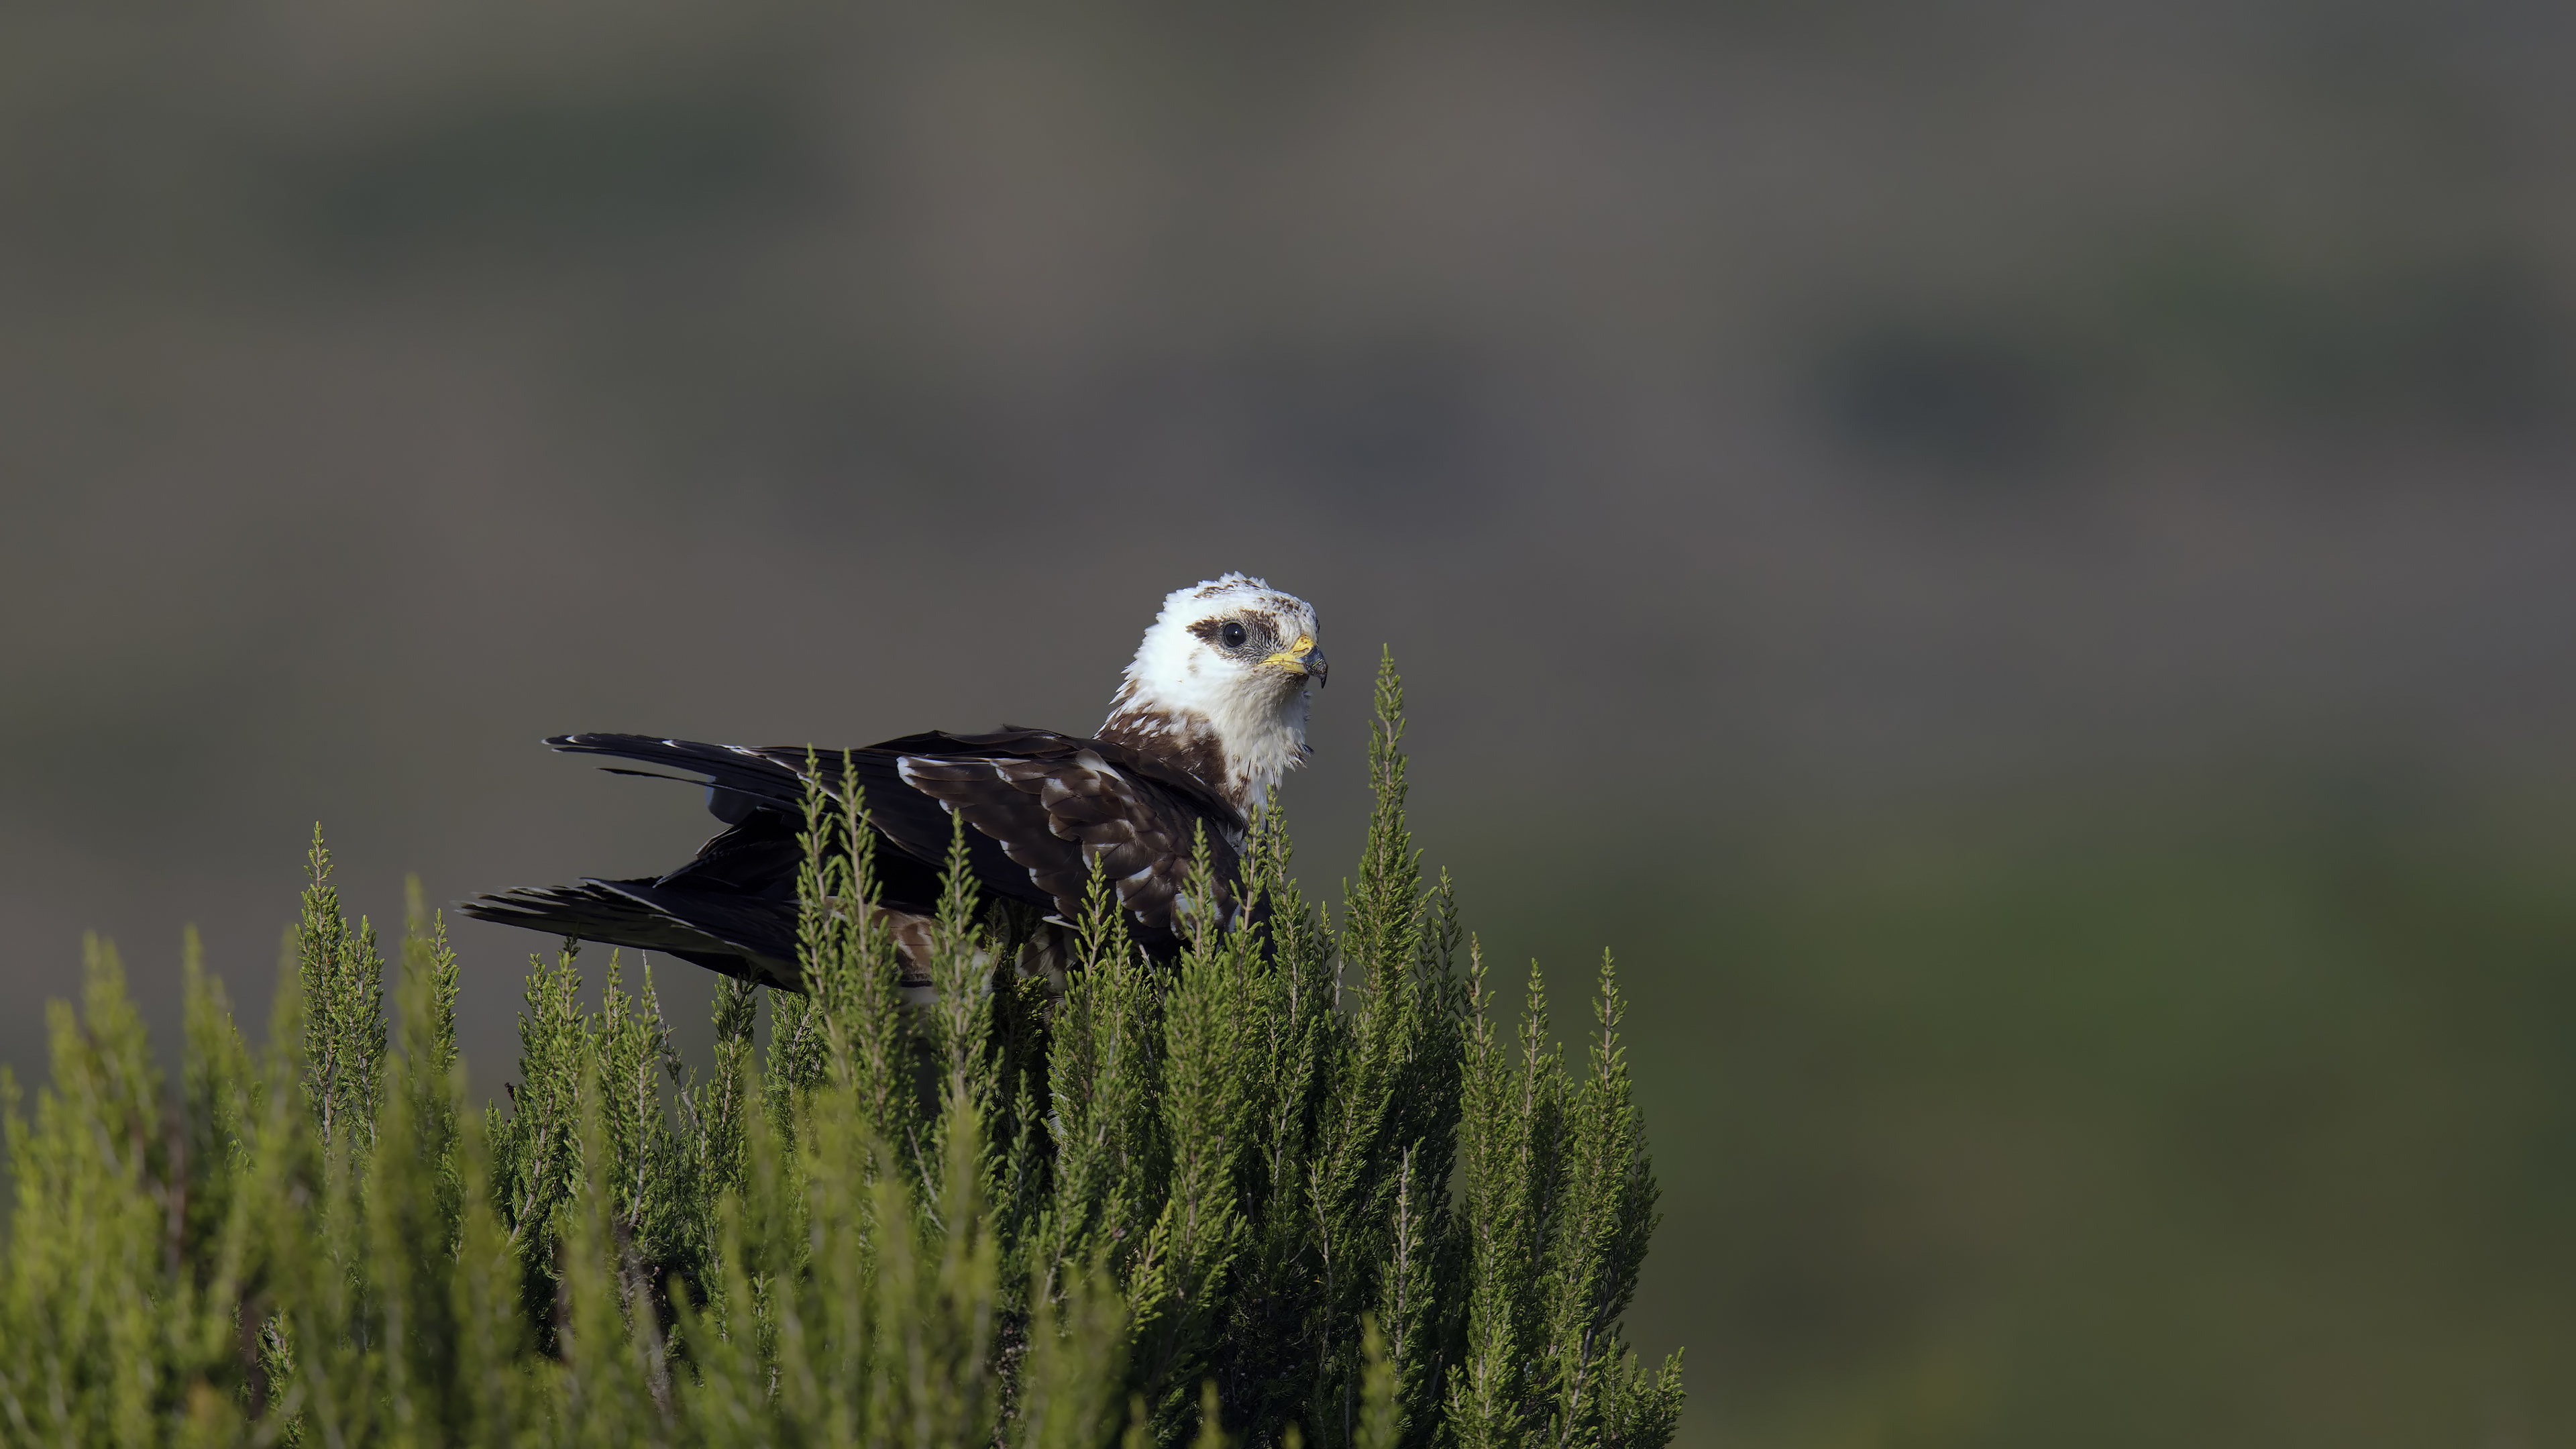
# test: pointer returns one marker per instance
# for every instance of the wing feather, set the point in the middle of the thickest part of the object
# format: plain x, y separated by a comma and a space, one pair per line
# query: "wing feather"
1047, 810
1065, 817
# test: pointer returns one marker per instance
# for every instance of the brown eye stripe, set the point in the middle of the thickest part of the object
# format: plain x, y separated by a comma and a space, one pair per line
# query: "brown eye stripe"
1255, 627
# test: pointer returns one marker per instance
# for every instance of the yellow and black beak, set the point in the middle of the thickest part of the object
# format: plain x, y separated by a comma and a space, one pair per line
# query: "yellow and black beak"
1301, 657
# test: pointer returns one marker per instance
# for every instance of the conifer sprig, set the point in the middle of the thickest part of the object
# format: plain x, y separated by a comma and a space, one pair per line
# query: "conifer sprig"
343, 979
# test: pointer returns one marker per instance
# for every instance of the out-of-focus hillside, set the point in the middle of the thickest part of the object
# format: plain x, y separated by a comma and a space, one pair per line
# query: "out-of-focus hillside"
1752, 425
2158, 1122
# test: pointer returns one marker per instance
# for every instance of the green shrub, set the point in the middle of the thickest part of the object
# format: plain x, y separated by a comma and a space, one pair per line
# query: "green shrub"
1295, 1186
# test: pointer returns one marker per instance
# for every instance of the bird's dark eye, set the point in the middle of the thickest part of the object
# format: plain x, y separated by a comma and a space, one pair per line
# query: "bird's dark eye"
1232, 634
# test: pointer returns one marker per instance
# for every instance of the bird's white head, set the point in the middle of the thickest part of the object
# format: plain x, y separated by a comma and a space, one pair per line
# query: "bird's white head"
1218, 688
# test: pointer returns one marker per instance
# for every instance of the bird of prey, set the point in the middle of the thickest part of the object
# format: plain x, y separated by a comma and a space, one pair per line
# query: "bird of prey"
1210, 715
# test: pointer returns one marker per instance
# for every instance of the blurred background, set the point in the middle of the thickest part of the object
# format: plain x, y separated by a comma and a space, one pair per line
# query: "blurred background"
2011, 560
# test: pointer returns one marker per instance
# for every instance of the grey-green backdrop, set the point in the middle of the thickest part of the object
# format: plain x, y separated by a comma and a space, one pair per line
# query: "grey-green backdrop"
2011, 559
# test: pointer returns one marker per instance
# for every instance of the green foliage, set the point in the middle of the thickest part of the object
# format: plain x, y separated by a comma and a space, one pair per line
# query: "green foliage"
343, 980
1207, 1200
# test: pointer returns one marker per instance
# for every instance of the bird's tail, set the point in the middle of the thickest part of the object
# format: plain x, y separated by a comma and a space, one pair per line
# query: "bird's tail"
749, 938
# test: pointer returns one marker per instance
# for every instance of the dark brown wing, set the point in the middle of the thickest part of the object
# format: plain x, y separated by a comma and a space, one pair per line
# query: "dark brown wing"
1065, 813
1046, 809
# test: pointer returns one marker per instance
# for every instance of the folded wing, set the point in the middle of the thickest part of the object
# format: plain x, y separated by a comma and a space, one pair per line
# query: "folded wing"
1046, 810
